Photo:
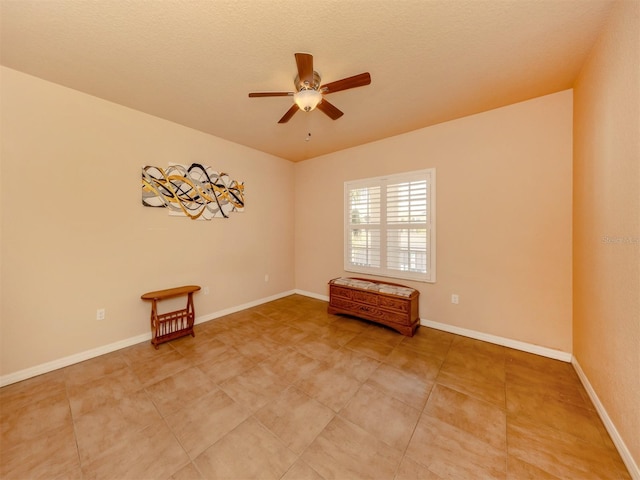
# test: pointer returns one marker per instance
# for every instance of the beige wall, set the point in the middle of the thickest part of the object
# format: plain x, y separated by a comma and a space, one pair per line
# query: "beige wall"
503, 217
607, 221
75, 236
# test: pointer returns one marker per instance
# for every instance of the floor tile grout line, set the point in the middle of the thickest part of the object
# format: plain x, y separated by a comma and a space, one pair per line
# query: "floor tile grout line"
73, 426
177, 439
298, 455
433, 384
506, 419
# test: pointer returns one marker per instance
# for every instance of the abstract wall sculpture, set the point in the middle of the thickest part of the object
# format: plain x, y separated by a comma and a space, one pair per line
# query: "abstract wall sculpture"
196, 191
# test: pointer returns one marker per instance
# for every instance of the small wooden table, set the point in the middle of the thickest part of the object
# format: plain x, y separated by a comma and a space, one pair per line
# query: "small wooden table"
171, 325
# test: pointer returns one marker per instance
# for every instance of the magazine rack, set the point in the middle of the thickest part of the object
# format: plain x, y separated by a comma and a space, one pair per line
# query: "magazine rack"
171, 325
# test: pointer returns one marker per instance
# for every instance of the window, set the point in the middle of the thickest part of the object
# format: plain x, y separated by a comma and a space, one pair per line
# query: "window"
390, 226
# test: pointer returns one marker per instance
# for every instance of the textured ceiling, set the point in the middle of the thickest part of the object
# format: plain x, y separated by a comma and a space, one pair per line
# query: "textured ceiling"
194, 62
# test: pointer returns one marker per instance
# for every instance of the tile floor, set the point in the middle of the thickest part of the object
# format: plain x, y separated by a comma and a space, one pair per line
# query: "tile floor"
286, 391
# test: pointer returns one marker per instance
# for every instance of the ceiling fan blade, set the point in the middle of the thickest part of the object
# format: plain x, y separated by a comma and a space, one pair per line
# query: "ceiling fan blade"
270, 94
351, 82
290, 113
329, 110
304, 61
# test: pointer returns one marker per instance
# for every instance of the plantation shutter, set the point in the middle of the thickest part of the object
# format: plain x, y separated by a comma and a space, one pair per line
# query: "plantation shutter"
389, 226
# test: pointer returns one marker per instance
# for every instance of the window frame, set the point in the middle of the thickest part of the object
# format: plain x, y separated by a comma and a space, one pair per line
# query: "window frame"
428, 175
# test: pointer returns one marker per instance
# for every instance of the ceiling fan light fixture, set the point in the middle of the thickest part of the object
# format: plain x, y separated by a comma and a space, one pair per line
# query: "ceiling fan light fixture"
307, 99
309, 92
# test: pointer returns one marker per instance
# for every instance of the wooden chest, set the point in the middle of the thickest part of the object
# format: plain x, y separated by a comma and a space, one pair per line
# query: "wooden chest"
390, 304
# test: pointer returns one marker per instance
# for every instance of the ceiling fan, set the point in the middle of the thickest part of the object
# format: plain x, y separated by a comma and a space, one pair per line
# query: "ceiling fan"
310, 93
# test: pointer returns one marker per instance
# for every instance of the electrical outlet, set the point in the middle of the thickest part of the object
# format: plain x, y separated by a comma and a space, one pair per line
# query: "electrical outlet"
100, 314
266, 277
205, 290
455, 299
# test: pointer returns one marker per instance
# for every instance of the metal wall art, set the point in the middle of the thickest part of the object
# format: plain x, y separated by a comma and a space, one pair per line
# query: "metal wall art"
196, 191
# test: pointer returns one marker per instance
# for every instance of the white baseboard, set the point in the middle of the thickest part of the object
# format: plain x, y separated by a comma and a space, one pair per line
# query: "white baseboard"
628, 460
20, 375
244, 306
505, 342
317, 296
70, 360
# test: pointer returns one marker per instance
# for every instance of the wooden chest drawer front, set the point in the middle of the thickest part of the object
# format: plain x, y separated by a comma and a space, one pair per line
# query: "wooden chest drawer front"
366, 297
370, 311
394, 303
341, 292
341, 303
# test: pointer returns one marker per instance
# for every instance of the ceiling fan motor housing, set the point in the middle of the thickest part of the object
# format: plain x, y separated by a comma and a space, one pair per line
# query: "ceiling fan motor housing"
305, 86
